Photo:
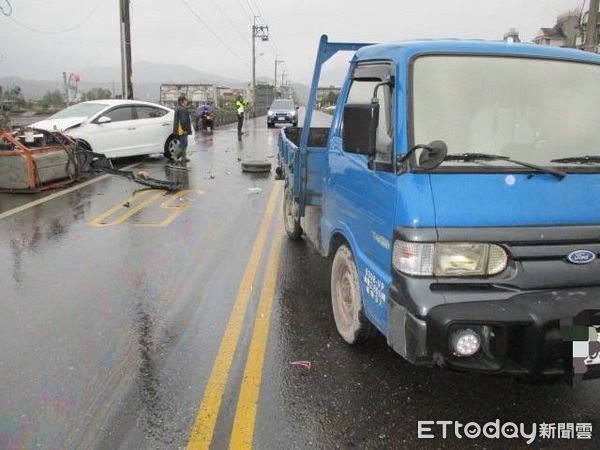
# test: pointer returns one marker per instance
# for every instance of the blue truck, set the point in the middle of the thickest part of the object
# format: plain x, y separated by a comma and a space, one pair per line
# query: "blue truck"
457, 194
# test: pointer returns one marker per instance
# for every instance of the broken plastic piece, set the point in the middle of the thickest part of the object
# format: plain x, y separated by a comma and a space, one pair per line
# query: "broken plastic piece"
254, 190
305, 364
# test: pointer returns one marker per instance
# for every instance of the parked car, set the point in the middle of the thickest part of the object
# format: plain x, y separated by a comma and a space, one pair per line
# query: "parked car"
282, 111
116, 128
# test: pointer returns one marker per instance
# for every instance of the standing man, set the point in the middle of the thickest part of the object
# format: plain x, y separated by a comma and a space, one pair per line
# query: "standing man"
240, 104
182, 127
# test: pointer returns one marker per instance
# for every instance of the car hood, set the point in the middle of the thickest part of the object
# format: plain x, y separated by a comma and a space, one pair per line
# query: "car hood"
282, 111
488, 200
59, 124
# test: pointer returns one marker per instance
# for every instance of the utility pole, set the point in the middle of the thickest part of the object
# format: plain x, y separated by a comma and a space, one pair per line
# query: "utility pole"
125, 27
277, 61
261, 31
591, 38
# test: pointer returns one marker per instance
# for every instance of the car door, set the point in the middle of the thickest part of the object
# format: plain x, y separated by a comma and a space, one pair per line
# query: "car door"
115, 138
154, 125
361, 193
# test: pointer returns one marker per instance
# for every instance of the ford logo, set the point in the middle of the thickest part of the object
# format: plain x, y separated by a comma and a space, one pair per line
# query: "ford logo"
581, 257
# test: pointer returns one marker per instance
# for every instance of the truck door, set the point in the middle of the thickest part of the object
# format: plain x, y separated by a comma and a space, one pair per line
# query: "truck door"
361, 194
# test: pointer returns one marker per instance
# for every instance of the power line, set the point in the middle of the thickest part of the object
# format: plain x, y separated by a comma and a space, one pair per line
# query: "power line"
66, 30
250, 8
244, 9
258, 10
245, 38
8, 11
214, 34
260, 14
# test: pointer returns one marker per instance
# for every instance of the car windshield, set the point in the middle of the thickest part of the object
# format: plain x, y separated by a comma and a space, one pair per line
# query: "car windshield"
527, 109
80, 110
283, 104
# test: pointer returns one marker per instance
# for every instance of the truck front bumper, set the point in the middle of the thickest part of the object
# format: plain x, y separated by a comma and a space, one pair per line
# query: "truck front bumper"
519, 335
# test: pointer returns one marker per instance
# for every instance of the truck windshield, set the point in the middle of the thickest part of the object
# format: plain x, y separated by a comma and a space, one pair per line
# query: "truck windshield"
533, 110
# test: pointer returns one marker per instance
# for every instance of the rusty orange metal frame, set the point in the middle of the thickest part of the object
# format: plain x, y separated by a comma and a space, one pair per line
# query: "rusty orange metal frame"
27, 153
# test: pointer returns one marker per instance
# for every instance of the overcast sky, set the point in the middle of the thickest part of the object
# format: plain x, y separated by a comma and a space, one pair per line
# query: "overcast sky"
166, 31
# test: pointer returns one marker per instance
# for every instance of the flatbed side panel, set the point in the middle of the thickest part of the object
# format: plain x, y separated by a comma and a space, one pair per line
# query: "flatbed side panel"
316, 167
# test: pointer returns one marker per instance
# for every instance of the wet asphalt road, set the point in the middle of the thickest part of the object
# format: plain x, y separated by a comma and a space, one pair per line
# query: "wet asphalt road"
114, 320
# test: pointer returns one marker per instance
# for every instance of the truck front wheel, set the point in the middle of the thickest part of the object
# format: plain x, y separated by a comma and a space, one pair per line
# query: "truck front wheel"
291, 222
348, 314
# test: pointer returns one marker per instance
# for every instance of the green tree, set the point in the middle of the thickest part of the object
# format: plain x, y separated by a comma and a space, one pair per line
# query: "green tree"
332, 98
52, 99
96, 94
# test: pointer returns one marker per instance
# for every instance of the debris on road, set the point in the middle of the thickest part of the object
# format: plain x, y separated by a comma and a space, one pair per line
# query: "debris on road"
254, 190
35, 160
255, 166
305, 364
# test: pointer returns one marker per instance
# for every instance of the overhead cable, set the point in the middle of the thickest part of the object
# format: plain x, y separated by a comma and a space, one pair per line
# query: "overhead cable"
242, 60
65, 30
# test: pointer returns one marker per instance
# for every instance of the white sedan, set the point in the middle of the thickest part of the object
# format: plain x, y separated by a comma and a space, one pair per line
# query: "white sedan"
116, 128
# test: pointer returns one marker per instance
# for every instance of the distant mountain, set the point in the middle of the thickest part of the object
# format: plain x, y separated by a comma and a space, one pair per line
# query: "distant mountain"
147, 78
146, 72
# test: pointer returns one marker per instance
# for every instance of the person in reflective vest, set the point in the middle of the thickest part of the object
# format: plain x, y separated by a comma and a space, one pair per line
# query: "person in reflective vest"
240, 104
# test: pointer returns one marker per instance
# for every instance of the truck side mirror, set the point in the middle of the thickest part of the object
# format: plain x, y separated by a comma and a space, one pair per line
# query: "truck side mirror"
360, 128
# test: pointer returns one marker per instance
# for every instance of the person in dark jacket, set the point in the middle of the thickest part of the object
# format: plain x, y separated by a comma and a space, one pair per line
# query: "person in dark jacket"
182, 127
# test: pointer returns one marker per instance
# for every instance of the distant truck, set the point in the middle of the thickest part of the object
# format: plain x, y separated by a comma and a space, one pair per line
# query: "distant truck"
457, 193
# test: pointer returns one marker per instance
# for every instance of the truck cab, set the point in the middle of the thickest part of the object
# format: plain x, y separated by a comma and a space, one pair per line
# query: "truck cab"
456, 192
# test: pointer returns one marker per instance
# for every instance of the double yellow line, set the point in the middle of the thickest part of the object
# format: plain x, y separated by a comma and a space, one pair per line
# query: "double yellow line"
243, 428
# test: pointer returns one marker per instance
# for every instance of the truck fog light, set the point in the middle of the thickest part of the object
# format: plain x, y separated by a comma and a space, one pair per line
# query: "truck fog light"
465, 342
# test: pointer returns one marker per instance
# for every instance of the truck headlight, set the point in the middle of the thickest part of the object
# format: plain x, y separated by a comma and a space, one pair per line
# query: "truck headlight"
449, 259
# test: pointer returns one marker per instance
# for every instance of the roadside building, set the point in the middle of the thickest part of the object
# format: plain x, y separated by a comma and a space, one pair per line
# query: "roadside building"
567, 32
327, 96
264, 96
194, 92
512, 35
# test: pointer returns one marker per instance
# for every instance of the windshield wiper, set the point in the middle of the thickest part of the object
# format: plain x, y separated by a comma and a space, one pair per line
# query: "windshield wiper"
579, 160
470, 157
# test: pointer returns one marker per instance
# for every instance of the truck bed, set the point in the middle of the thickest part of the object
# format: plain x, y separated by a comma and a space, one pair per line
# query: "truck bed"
304, 171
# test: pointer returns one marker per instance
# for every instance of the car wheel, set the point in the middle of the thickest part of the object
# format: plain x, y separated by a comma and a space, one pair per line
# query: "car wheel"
171, 146
290, 222
346, 301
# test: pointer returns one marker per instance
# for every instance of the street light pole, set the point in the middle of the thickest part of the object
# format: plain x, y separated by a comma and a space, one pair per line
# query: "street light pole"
277, 61
591, 38
125, 28
261, 31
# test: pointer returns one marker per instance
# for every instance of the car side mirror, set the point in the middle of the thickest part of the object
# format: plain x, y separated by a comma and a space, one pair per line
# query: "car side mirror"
103, 119
360, 128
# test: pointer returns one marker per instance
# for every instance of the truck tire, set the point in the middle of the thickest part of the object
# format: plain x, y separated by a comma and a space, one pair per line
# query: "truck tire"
350, 320
291, 224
